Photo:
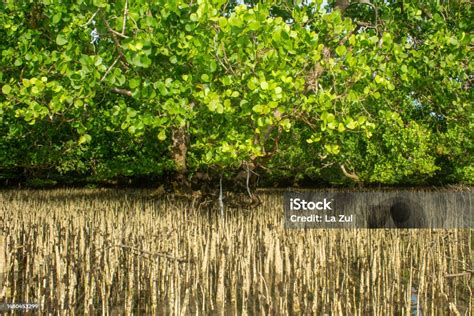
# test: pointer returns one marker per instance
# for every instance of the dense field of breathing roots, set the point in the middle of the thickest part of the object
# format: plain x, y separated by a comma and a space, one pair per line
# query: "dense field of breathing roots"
121, 252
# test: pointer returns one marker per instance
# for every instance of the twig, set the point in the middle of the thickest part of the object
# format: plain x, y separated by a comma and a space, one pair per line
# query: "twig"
116, 42
327, 165
110, 68
457, 274
153, 254
353, 176
228, 68
376, 13
125, 13
117, 33
227, 60
345, 38
124, 92
217, 57
91, 19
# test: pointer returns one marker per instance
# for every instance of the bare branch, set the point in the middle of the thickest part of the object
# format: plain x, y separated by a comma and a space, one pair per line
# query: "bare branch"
117, 33
116, 41
91, 19
110, 68
353, 176
454, 275
125, 13
228, 68
124, 92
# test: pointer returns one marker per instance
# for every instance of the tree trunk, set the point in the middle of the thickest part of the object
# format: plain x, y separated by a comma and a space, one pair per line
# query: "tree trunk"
179, 140
341, 5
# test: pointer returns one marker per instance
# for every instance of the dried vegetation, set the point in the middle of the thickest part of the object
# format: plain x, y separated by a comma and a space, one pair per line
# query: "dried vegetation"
113, 252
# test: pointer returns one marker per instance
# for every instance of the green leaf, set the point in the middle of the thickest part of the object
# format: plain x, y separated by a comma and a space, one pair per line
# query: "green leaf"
328, 117
276, 36
61, 39
145, 61
56, 18
134, 83
387, 38
332, 125
212, 65
84, 139
236, 21
332, 149
264, 85
6, 89
352, 124
162, 135
214, 104
78, 103
352, 40
161, 88
258, 108
341, 128
286, 124
222, 22
251, 85
361, 120
253, 25
132, 129
341, 50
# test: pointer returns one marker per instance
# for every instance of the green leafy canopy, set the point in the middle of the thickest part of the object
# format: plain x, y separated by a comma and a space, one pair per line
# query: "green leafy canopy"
101, 88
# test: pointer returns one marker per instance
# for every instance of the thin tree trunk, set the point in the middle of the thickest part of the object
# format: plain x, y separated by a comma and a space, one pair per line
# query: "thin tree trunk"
179, 143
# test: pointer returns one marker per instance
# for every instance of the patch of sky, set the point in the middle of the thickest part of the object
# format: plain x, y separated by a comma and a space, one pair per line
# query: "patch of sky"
421, 107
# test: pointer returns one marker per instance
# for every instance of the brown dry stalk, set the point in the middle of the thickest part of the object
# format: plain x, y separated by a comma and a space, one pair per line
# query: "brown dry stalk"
94, 252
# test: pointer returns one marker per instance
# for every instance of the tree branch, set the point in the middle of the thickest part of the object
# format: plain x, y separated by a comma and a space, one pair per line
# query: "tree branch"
117, 33
352, 176
91, 19
116, 41
454, 275
124, 92
110, 68
125, 13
